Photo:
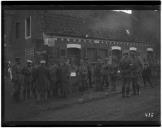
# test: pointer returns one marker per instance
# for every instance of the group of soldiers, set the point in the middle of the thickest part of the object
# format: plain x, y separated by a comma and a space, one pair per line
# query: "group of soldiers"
63, 79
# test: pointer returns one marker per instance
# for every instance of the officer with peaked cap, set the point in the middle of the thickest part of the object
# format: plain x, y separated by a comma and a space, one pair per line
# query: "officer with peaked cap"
136, 67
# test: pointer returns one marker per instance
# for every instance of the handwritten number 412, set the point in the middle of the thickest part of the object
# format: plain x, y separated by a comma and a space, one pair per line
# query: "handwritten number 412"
149, 115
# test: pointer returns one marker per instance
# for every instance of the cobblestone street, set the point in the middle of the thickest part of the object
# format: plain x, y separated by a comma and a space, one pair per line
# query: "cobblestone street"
113, 108
94, 107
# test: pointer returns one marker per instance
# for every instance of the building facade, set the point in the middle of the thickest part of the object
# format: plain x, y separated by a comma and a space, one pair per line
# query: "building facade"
54, 36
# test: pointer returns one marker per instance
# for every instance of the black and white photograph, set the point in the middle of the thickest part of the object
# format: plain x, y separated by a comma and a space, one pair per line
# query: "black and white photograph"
98, 64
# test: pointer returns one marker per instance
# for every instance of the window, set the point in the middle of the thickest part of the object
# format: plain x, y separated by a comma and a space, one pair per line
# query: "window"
17, 30
28, 27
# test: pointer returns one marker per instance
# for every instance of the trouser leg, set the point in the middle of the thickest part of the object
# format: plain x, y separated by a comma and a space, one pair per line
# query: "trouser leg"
90, 81
149, 81
144, 81
113, 83
128, 83
134, 85
107, 82
16, 94
124, 88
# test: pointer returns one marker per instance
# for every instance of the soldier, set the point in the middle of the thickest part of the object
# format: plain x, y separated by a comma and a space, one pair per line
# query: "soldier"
27, 72
65, 75
136, 67
33, 86
9, 70
17, 79
42, 81
89, 68
59, 78
73, 88
105, 74
83, 74
113, 73
147, 75
53, 86
125, 74
97, 77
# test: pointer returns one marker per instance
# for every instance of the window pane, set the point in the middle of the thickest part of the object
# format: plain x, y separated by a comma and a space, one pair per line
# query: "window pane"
28, 28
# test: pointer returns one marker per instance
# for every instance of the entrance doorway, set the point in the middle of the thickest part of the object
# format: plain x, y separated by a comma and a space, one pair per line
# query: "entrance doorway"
74, 54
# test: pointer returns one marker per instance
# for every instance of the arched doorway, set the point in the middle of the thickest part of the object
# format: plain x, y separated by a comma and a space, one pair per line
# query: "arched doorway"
150, 56
116, 54
74, 53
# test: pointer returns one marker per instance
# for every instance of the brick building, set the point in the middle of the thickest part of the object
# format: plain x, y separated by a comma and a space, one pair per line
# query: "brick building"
53, 35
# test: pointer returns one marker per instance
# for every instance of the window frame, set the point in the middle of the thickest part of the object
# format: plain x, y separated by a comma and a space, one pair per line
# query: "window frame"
26, 36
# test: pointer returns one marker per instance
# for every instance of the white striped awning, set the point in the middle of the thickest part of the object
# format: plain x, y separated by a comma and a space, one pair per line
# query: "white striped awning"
74, 46
150, 49
116, 48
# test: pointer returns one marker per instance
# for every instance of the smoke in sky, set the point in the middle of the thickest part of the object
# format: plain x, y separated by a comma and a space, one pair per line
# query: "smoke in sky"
111, 21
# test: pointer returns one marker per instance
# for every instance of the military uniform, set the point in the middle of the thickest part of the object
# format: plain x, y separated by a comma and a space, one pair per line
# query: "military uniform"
27, 72
147, 75
97, 77
89, 76
65, 75
105, 75
73, 82
125, 75
53, 85
113, 75
83, 73
17, 80
136, 68
42, 82
59, 79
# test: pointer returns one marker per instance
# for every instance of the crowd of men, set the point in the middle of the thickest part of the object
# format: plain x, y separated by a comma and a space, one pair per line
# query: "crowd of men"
64, 79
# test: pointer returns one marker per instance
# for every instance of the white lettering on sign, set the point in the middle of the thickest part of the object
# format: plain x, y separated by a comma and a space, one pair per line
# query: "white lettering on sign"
73, 46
